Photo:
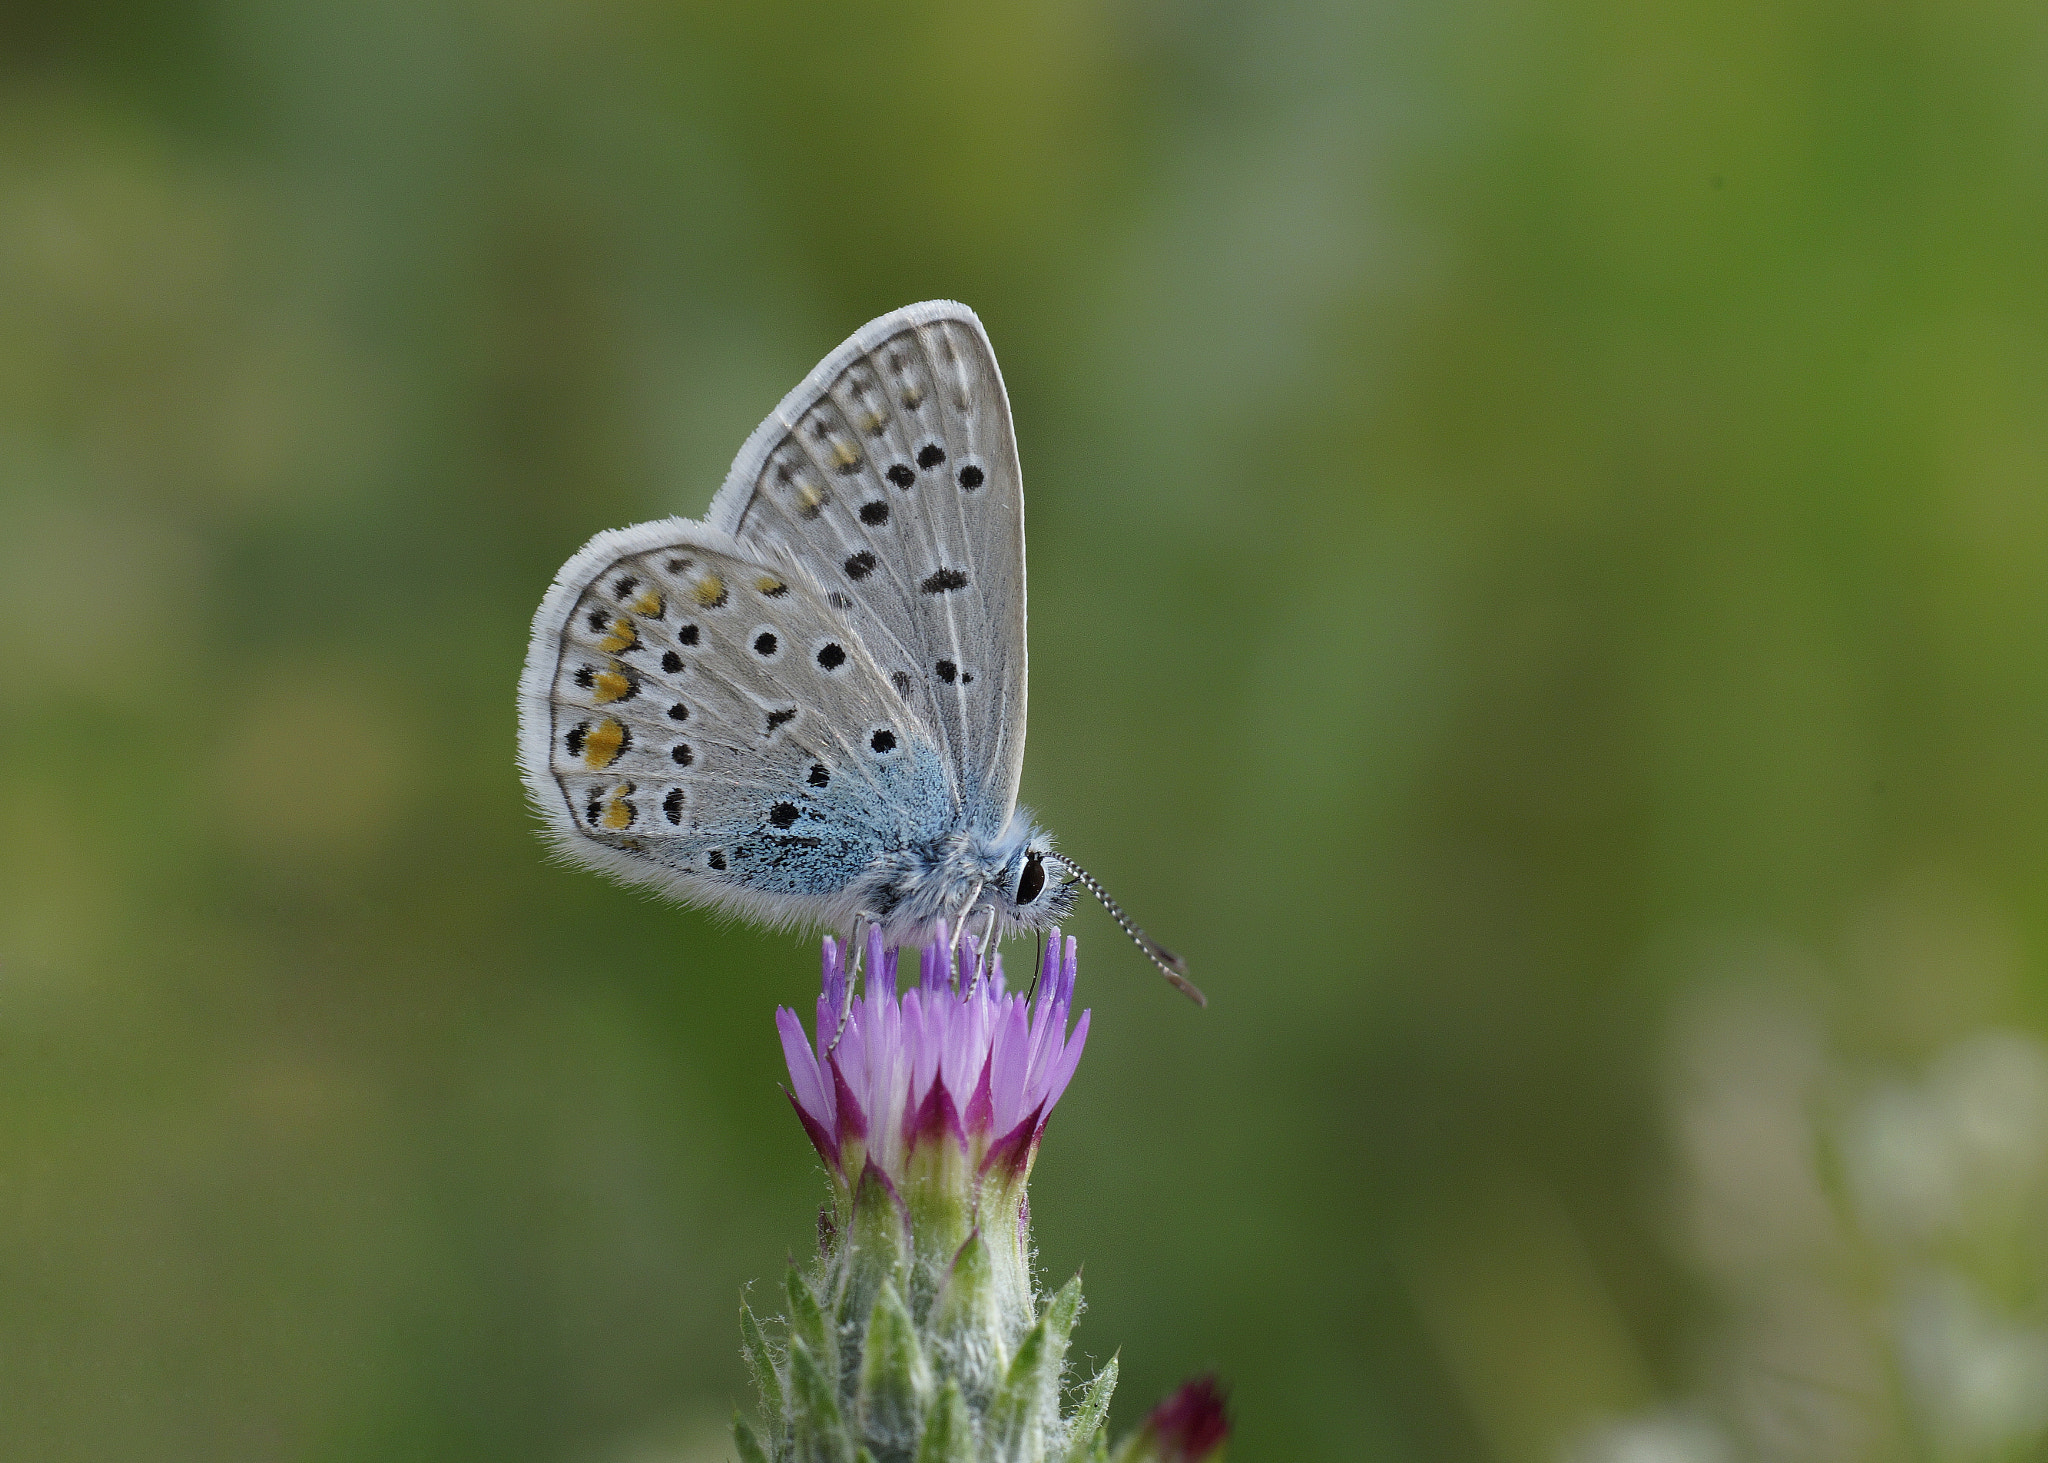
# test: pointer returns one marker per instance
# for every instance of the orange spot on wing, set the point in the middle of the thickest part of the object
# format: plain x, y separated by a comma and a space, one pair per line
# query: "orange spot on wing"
649, 604
623, 637
602, 746
612, 686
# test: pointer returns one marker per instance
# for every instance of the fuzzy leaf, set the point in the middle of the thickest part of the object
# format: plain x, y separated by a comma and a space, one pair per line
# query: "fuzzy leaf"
966, 1320
745, 1439
895, 1380
1014, 1429
1028, 1399
761, 1362
815, 1424
807, 1324
948, 1434
876, 1248
1084, 1428
1060, 1315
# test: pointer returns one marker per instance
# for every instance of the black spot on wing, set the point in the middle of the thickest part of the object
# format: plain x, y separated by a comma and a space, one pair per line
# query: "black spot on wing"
930, 456
941, 581
900, 474
782, 815
860, 565
875, 514
672, 663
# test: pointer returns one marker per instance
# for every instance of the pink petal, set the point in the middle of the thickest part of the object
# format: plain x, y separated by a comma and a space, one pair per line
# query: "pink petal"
1063, 1066
809, 1094
820, 1138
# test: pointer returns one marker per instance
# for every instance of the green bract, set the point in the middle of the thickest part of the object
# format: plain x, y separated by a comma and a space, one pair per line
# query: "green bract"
871, 1361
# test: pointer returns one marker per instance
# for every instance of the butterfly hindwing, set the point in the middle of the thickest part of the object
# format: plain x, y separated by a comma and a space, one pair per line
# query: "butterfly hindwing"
698, 715
891, 475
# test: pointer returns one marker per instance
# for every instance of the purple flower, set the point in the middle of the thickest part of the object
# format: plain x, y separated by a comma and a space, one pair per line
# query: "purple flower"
955, 1076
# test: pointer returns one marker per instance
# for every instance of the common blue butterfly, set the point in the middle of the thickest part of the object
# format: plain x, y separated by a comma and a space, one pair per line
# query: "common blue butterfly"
808, 709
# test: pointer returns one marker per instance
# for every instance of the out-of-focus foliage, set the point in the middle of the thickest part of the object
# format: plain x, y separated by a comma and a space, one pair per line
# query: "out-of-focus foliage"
1874, 1252
1539, 543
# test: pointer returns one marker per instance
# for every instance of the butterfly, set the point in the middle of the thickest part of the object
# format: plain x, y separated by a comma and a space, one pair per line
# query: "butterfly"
808, 709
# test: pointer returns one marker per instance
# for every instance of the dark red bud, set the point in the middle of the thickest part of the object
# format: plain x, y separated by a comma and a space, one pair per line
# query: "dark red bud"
1191, 1424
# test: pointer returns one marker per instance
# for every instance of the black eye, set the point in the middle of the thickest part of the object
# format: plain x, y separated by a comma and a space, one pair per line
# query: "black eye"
1031, 881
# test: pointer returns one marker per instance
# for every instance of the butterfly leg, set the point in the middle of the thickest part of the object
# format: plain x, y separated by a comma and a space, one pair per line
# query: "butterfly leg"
959, 928
859, 942
959, 925
985, 945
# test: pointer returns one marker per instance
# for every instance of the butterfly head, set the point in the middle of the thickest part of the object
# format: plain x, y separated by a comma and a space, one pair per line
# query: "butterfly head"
1023, 878
1036, 891
1033, 897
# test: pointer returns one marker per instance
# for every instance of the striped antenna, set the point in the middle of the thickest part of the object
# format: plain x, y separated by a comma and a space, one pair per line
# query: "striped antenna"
1170, 965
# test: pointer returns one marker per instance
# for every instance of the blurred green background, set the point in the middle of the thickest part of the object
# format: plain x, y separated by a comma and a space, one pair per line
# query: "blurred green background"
1539, 526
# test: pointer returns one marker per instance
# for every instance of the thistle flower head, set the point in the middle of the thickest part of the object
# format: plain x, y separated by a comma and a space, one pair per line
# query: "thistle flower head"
955, 1076
918, 1331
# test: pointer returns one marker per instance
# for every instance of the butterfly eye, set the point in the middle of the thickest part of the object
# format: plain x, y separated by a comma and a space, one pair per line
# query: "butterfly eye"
1030, 883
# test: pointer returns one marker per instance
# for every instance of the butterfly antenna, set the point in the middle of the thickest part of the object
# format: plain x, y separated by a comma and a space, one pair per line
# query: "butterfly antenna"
1170, 965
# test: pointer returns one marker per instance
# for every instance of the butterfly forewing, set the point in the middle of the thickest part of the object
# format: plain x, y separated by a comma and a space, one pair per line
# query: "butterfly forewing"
891, 475
714, 725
